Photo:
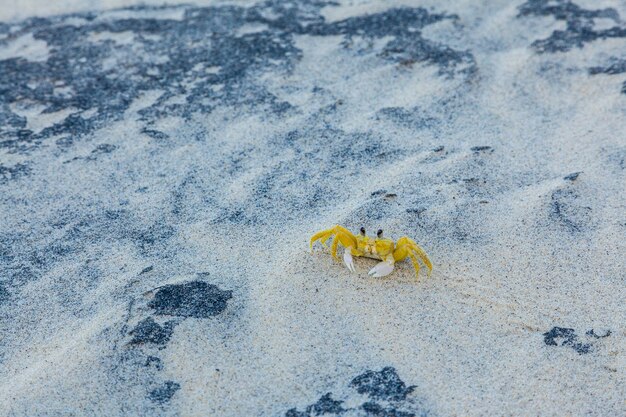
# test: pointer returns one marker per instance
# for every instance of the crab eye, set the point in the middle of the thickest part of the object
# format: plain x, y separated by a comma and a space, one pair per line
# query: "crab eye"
363, 231
379, 233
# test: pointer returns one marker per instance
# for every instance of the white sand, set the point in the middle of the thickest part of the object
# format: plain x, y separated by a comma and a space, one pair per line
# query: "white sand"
236, 192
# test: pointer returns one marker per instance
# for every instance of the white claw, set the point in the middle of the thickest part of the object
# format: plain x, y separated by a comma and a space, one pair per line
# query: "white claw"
347, 259
382, 269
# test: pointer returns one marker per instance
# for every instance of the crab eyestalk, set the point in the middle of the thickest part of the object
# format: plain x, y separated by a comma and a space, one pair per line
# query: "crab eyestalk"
380, 233
362, 231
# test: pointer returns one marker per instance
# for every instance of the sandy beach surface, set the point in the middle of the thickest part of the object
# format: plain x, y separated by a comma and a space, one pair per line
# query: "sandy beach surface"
162, 168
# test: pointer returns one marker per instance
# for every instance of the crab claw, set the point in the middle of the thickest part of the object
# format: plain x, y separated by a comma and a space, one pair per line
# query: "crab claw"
347, 259
382, 269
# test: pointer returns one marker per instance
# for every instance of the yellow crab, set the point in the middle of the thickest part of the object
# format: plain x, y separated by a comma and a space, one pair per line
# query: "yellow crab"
384, 250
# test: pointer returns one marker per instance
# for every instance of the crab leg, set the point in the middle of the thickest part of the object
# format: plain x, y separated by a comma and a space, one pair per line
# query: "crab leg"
423, 257
416, 264
406, 247
324, 235
333, 247
345, 241
341, 235
347, 238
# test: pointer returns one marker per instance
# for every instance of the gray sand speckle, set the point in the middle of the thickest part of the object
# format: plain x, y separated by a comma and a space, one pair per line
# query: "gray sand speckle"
162, 168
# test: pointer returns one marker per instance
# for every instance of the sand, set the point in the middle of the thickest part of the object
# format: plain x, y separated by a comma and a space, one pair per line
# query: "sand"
162, 169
